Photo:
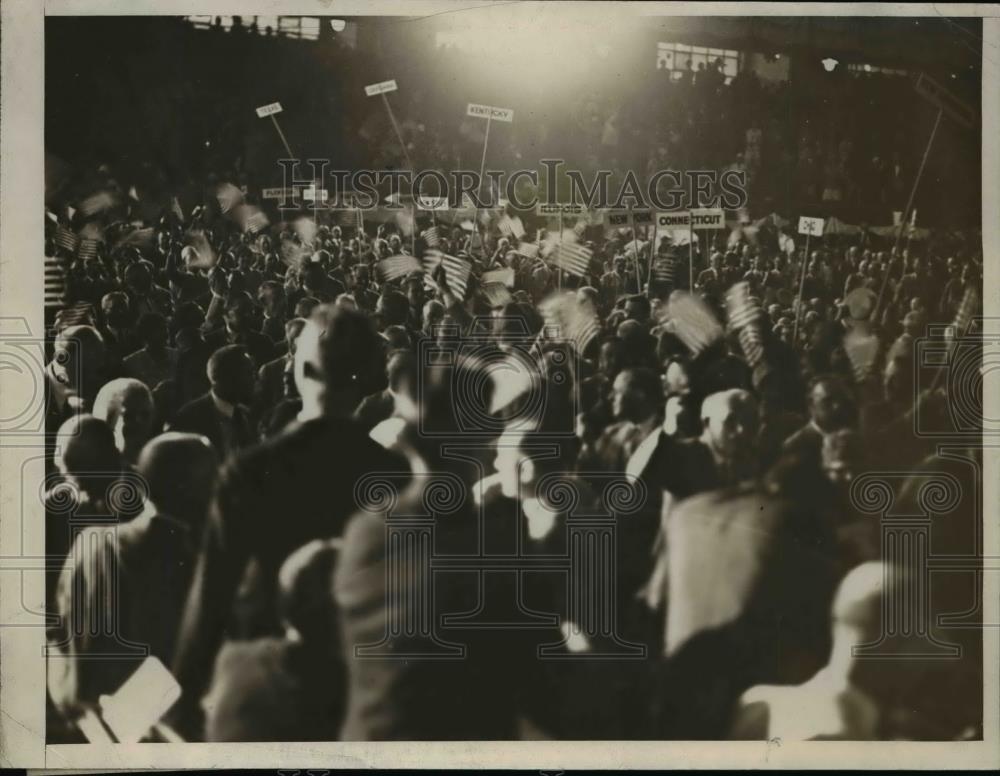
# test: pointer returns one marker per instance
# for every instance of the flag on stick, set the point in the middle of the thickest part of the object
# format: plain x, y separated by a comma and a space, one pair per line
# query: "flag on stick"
572, 258
456, 270
432, 237
692, 321
66, 239
571, 319
497, 294
744, 316
399, 266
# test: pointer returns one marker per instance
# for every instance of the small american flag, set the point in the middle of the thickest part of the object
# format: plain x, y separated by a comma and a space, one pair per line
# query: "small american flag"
81, 313
432, 237
55, 281
497, 294
175, 208
744, 315
663, 270
66, 239
228, 196
693, 322
568, 318
528, 250
456, 270
97, 203
88, 249
572, 258
511, 227
254, 221
396, 267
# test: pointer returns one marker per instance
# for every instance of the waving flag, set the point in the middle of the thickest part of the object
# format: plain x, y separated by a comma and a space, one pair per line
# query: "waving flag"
432, 237
528, 250
497, 294
692, 321
511, 227
572, 258
66, 239
228, 196
456, 270
744, 315
570, 319
399, 266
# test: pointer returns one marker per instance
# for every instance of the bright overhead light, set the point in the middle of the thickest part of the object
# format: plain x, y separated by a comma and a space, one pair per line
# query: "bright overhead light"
830, 64
338, 25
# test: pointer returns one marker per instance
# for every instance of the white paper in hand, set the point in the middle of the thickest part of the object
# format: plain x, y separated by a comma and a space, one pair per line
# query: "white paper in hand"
141, 702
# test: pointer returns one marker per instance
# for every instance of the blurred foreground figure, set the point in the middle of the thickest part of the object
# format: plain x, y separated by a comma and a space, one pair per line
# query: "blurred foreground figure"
124, 585
285, 688
272, 499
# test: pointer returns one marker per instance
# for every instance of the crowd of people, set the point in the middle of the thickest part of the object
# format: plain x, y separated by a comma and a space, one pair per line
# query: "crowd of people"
218, 395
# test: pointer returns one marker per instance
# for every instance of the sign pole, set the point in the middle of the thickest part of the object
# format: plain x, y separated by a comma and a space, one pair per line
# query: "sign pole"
802, 285
281, 134
906, 212
691, 255
654, 256
635, 251
559, 263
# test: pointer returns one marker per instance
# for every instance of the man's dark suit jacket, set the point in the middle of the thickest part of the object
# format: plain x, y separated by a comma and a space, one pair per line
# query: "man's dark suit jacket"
201, 416
270, 500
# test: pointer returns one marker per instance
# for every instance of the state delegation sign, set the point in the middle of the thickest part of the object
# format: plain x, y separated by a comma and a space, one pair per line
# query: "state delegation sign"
490, 112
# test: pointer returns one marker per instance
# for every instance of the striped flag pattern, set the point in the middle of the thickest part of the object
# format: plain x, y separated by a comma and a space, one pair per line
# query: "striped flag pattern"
54, 293
744, 316
396, 267
497, 294
568, 318
511, 227
456, 271
81, 313
528, 250
663, 270
432, 237
693, 322
572, 258
228, 197
66, 239
88, 249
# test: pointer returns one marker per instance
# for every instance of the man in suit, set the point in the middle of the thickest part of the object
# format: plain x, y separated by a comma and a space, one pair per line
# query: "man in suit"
291, 489
133, 576
239, 330
830, 409
276, 379
221, 414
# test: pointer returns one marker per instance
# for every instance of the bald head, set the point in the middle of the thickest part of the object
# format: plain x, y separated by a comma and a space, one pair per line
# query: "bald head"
180, 471
126, 405
729, 419
85, 444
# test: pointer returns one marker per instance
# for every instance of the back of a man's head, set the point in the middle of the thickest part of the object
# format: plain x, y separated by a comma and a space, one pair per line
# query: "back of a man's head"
339, 357
86, 444
305, 592
180, 471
